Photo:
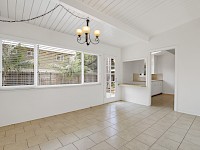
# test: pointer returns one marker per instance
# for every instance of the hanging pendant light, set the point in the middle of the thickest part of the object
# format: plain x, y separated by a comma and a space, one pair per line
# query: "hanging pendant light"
86, 31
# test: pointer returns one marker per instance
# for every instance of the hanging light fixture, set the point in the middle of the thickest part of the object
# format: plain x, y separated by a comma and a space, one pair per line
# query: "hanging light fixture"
86, 30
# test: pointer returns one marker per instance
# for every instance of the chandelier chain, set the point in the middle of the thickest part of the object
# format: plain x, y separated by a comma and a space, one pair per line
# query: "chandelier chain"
26, 20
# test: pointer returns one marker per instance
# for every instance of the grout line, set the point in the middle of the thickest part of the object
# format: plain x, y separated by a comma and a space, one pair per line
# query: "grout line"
187, 132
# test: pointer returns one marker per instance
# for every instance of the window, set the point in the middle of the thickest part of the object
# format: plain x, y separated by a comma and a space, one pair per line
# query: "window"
54, 72
90, 68
49, 66
17, 68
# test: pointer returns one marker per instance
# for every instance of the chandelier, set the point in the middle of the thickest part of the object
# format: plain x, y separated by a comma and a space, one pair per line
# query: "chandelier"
86, 30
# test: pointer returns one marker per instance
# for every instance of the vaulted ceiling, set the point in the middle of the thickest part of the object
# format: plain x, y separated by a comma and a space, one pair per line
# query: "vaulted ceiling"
122, 22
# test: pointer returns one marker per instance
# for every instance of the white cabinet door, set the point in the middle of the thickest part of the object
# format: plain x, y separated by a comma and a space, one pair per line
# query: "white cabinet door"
156, 87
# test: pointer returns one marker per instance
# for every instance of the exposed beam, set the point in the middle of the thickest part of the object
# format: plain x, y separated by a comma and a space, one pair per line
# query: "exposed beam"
96, 15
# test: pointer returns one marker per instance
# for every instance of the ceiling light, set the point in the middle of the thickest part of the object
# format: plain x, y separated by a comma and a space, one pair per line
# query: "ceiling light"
86, 30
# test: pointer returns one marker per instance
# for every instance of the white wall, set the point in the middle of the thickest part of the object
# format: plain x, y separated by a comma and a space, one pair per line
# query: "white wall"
136, 94
26, 104
186, 40
165, 64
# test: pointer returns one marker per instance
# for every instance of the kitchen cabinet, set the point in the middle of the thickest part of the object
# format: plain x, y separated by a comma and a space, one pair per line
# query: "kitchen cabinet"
156, 87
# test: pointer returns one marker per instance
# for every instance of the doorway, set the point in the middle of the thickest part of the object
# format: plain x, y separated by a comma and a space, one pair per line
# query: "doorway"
163, 78
110, 79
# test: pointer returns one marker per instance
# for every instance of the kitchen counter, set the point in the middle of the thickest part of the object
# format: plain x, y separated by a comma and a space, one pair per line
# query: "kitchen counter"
132, 84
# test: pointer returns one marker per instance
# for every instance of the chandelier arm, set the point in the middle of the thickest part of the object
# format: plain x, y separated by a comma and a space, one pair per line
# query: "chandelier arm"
96, 39
79, 40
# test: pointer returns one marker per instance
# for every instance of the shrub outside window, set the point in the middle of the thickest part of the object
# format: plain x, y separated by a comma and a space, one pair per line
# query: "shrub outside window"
17, 68
90, 68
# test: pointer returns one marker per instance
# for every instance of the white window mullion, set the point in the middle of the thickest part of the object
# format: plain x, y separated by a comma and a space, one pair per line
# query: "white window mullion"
98, 69
82, 68
1, 67
36, 65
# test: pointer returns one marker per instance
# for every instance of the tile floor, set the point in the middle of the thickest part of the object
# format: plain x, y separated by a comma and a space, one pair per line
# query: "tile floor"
119, 125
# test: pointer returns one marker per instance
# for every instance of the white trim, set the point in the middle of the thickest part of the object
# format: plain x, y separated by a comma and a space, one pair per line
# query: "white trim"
1, 66
98, 69
82, 68
36, 65
32, 87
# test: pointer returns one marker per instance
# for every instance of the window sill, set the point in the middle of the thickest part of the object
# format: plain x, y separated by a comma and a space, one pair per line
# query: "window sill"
30, 87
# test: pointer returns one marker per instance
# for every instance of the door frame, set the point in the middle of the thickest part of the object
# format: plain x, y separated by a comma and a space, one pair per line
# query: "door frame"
111, 99
176, 74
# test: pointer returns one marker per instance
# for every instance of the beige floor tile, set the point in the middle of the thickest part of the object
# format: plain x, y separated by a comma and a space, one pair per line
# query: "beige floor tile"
126, 135
103, 146
160, 127
158, 147
136, 145
5, 128
193, 137
54, 134
57, 126
109, 131
167, 143
51, 145
177, 130
70, 129
123, 148
185, 145
82, 133
154, 133
95, 128
68, 139
16, 146
43, 130
84, 144
2, 134
34, 148
1, 147
14, 131
116, 141
173, 136
31, 127
35, 140
7, 140
20, 137
146, 139
98, 137
23, 124
68, 147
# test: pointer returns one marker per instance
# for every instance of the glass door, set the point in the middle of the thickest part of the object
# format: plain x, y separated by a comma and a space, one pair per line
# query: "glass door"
110, 78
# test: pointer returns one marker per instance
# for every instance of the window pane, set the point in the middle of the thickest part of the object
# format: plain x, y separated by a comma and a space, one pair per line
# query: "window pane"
90, 68
58, 66
18, 66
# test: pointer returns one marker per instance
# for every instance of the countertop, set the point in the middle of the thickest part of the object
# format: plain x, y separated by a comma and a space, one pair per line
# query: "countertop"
131, 84
145, 81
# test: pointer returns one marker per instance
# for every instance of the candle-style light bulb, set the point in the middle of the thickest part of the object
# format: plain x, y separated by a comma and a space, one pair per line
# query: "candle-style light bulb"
79, 32
97, 33
86, 29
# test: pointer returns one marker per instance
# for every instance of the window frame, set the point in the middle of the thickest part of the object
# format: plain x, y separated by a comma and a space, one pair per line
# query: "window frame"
98, 68
35, 55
